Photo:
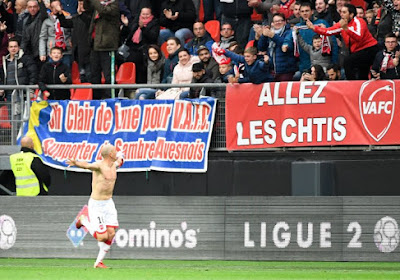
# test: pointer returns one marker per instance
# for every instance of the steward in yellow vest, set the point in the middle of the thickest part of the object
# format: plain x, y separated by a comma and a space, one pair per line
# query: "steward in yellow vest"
32, 177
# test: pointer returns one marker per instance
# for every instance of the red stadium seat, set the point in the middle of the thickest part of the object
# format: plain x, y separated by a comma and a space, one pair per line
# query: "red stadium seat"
4, 117
213, 27
82, 93
164, 49
126, 73
249, 44
76, 79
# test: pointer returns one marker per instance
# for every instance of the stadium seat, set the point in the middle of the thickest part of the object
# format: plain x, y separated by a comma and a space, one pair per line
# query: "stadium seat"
76, 79
249, 44
126, 73
164, 49
82, 93
213, 27
4, 117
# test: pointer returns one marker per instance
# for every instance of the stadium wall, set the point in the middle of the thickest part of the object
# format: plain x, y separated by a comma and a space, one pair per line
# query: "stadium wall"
352, 173
220, 228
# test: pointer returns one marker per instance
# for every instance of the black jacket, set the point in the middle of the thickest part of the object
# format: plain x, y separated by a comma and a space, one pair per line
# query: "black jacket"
186, 18
392, 73
26, 70
80, 30
31, 32
50, 75
149, 34
238, 8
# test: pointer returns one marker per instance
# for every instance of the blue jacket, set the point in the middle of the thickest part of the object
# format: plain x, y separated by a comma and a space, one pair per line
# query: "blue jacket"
283, 62
307, 35
195, 43
257, 73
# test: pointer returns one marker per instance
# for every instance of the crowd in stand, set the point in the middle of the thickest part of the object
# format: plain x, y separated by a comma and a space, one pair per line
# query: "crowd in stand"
295, 40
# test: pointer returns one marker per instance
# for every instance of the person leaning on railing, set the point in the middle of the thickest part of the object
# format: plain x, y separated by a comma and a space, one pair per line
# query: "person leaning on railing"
32, 177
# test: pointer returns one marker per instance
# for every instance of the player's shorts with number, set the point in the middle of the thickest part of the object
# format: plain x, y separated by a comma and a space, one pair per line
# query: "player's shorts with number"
102, 214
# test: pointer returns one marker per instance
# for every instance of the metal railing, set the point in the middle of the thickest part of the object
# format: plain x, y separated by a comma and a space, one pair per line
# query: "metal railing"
20, 110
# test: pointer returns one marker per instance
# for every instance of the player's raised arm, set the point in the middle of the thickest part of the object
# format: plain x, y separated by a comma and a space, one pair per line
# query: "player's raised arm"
83, 164
120, 159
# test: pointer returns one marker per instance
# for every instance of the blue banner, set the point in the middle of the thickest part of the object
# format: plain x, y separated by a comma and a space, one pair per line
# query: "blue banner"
165, 135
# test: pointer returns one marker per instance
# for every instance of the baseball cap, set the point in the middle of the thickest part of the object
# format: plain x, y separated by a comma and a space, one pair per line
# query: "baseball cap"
202, 47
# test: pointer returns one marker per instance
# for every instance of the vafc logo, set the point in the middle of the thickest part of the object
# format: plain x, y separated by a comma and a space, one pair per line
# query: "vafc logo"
376, 101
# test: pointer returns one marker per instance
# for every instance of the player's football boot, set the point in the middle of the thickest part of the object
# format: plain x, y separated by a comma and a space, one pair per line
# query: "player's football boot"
100, 265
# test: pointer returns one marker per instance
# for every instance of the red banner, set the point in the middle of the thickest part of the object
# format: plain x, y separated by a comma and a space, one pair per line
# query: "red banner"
322, 113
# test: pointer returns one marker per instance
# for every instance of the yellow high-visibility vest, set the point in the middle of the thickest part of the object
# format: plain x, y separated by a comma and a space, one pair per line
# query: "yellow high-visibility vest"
25, 179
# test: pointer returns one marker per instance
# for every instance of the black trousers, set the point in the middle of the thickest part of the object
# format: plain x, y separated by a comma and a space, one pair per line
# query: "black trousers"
357, 65
100, 61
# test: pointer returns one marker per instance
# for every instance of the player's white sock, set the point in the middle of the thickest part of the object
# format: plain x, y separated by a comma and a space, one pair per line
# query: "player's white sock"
85, 222
104, 247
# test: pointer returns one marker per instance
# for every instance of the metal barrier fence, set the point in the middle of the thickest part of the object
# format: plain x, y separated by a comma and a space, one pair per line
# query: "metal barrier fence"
19, 108
16, 111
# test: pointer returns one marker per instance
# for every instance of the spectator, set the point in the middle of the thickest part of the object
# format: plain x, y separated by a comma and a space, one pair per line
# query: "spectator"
211, 7
18, 67
201, 38
209, 63
315, 73
6, 17
283, 63
284, 7
32, 177
143, 32
356, 36
32, 28
384, 25
227, 35
200, 76
155, 68
295, 17
376, 6
20, 16
324, 11
316, 50
182, 75
238, 14
225, 68
54, 72
339, 5
3, 40
307, 35
79, 23
386, 64
173, 46
256, 71
70, 6
178, 17
369, 17
104, 30
333, 72
267, 8
135, 6
393, 6
360, 12
53, 35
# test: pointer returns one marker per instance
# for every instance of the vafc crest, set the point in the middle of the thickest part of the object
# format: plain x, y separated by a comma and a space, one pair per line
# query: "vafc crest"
377, 105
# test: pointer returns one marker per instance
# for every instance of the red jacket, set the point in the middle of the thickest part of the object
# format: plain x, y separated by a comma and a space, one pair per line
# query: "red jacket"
357, 35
